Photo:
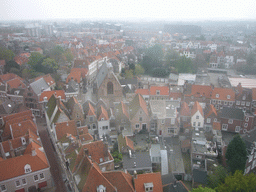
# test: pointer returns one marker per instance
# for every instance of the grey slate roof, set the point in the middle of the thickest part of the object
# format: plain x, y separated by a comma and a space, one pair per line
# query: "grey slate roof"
7, 107
133, 81
38, 85
102, 74
142, 160
232, 113
72, 86
177, 187
200, 176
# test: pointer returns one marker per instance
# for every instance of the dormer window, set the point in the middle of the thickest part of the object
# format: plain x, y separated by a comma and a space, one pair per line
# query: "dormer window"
102, 119
158, 92
244, 97
23, 141
228, 96
148, 187
27, 168
217, 95
101, 188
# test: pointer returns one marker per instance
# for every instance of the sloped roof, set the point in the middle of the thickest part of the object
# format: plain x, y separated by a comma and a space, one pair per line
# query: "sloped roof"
21, 128
223, 93
142, 91
137, 103
197, 107
154, 178
77, 74
9, 76
85, 137
103, 114
98, 150
15, 83
184, 109
122, 181
48, 94
211, 110
101, 74
164, 90
48, 79
122, 108
129, 143
201, 91
39, 85
65, 127
232, 113
14, 167
254, 94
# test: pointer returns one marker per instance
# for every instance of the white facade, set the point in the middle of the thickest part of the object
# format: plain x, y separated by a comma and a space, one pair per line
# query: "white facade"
103, 127
197, 120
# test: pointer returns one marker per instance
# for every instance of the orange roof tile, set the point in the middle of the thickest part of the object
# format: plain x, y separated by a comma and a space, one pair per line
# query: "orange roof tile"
9, 76
129, 143
164, 90
98, 150
125, 109
77, 74
14, 167
48, 94
184, 109
85, 137
103, 114
197, 107
222, 94
48, 79
142, 91
65, 127
212, 110
143, 104
201, 90
21, 128
254, 94
154, 178
15, 83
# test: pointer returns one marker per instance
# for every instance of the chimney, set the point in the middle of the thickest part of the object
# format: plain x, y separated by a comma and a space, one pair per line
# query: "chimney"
135, 174
2, 151
33, 151
11, 149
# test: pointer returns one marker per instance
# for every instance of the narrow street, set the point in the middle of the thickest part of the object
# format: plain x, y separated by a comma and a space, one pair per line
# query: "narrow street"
51, 155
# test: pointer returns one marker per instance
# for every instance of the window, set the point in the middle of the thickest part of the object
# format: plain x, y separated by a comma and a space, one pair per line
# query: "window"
94, 126
230, 102
225, 127
78, 123
104, 127
137, 126
246, 125
173, 121
197, 117
237, 102
158, 92
110, 88
247, 103
199, 156
244, 97
102, 119
225, 102
3, 188
140, 112
213, 101
17, 183
170, 130
194, 124
217, 95
219, 102
24, 181
215, 119
228, 96
41, 175
208, 120
247, 119
140, 118
230, 121
89, 127
198, 124
36, 178
91, 119
242, 103
237, 129
162, 121
27, 168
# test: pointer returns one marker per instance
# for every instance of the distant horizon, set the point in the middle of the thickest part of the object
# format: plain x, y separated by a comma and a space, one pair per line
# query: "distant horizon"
132, 10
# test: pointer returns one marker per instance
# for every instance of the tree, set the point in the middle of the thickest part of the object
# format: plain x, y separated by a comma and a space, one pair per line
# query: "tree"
203, 189
11, 64
6, 54
217, 177
69, 55
236, 154
159, 72
50, 64
250, 59
34, 59
184, 65
138, 70
238, 182
129, 74
57, 53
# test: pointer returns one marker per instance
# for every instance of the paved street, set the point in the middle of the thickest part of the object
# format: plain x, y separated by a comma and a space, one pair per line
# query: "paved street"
51, 155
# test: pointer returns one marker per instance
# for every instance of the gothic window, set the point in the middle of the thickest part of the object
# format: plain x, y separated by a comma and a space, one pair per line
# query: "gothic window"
110, 88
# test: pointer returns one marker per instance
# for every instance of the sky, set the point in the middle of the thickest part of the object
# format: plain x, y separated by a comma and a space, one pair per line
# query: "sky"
171, 10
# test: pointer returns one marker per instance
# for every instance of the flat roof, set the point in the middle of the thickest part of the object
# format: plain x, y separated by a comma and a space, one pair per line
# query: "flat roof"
245, 82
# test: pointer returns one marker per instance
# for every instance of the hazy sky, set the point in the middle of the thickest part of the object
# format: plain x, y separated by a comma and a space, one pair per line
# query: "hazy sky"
122, 9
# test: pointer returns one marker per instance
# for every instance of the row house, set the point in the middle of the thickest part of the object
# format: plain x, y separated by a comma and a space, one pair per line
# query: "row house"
222, 97
185, 117
235, 120
197, 116
210, 117
243, 98
22, 157
79, 75
165, 119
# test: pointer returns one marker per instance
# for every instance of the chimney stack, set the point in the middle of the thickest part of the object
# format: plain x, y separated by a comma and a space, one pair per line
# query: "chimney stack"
33, 150
11, 149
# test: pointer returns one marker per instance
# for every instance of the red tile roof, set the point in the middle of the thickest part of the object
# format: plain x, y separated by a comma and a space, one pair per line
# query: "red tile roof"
91, 111
15, 83
164, 90
197, 107
184, 109
103, 114
98, 150
142, 91
77, 74
254, 94
154, 178
125, 110
211, 111
14, 167
65, 127
143, 104
9, 76
200, 91
48, 79
223, 94
21, 128
48, 94
129, 143
86, 137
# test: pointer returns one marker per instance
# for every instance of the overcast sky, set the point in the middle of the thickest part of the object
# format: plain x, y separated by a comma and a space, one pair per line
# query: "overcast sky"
175, 10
